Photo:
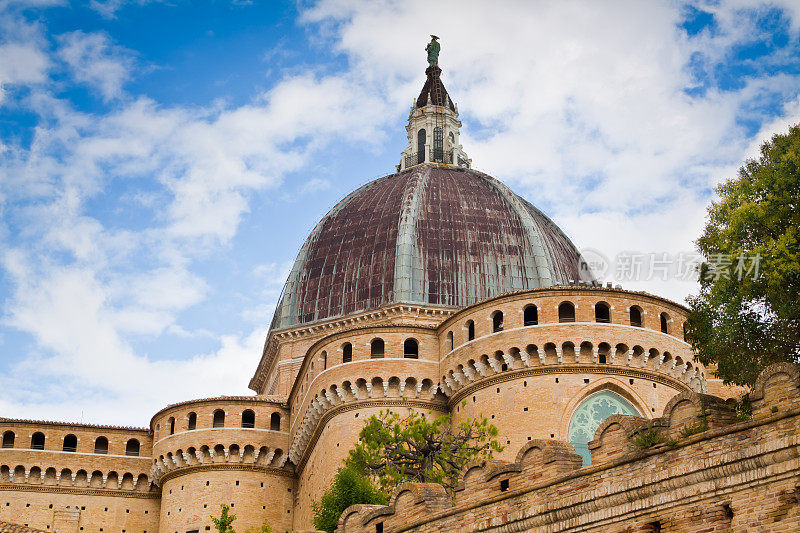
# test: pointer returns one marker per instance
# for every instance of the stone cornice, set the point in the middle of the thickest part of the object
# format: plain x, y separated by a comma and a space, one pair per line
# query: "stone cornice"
193, 469
363, 404
76, 425
84, 491
339, 324
566, 368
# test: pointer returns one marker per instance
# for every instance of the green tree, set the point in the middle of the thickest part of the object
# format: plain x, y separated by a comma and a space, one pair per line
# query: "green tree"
747, 314
396, 449
349, 487
223, 523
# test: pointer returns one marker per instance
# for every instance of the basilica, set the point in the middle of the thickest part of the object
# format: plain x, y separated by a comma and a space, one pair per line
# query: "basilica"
438, 288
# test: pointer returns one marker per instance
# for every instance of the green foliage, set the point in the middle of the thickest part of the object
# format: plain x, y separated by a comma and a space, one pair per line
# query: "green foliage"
349, 487
395, 449
688, 431
745, 319
647, 438
226, 518
223, 523
743, 407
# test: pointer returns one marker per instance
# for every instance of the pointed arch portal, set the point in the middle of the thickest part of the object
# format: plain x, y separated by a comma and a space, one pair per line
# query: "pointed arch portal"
590, 414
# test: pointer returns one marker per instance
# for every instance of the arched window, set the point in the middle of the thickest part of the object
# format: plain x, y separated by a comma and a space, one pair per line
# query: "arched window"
684, 332
70, 443
602, 312
248, 419
132, 448
421, 146
411, 349
347, 352
450, 340
566, 312
192, 422
219, 419
275, 422
37, 441
8, 439
664, 323
171, 426
497, 321
324, 359
101, 445
470, 330
530, 315
438, 145
590, 414
376, 348
452, 138
636, 316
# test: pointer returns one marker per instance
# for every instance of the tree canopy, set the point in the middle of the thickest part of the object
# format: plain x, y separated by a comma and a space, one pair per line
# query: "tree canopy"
395, 449
349, 487
747, 314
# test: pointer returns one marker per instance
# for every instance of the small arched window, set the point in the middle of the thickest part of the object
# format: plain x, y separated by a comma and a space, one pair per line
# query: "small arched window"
324, 359
684, 333
171, 426
530, 315
70, 443
421, 139
450, 340
566, 312
470, 330
376, 348
248, 419
219, 419
664, 323
101, 445
411, 349
602, 312
37, 441
191, 424
8, 439
636, 316
132, 448
275, 422
497, 321
347, 352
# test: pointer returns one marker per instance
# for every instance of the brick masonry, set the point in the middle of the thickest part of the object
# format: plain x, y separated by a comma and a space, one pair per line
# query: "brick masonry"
275, 453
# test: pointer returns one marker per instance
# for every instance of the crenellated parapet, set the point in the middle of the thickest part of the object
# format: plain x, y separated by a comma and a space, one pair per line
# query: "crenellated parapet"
225, 431
629, 485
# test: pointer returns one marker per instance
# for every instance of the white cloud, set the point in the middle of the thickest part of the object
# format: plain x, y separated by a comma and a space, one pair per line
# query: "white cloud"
584, 108
94, 60
579, 106
315, 185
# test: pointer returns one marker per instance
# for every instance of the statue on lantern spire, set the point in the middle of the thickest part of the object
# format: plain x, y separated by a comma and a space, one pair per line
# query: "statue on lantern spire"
433, 51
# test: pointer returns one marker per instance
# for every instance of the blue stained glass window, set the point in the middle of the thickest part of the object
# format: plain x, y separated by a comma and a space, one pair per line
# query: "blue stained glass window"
590, 414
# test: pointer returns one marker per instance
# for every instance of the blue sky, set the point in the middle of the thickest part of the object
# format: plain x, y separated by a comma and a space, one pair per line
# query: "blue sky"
162, 162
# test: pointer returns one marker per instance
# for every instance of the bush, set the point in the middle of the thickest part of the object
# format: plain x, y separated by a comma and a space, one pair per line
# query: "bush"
647, 438
349, 487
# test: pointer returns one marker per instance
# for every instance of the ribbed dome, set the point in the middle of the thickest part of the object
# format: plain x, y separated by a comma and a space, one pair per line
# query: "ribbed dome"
430, 235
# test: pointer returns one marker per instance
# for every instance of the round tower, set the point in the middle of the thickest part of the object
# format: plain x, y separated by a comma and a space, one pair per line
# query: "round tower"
227, 450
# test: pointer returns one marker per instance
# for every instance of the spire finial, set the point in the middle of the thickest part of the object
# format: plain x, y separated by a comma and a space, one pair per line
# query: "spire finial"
433, 51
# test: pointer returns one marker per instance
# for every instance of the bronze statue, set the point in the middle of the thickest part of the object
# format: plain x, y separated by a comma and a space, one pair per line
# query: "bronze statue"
433, 51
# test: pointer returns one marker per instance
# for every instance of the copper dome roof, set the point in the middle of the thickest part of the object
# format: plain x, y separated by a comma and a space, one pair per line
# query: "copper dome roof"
430, 235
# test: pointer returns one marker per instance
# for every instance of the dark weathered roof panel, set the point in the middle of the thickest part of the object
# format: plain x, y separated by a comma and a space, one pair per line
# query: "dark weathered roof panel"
431, 234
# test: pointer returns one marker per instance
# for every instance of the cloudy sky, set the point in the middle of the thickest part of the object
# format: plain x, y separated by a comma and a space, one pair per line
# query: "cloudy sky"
162, 162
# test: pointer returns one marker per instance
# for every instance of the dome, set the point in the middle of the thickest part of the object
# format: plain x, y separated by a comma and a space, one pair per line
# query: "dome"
431, 234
